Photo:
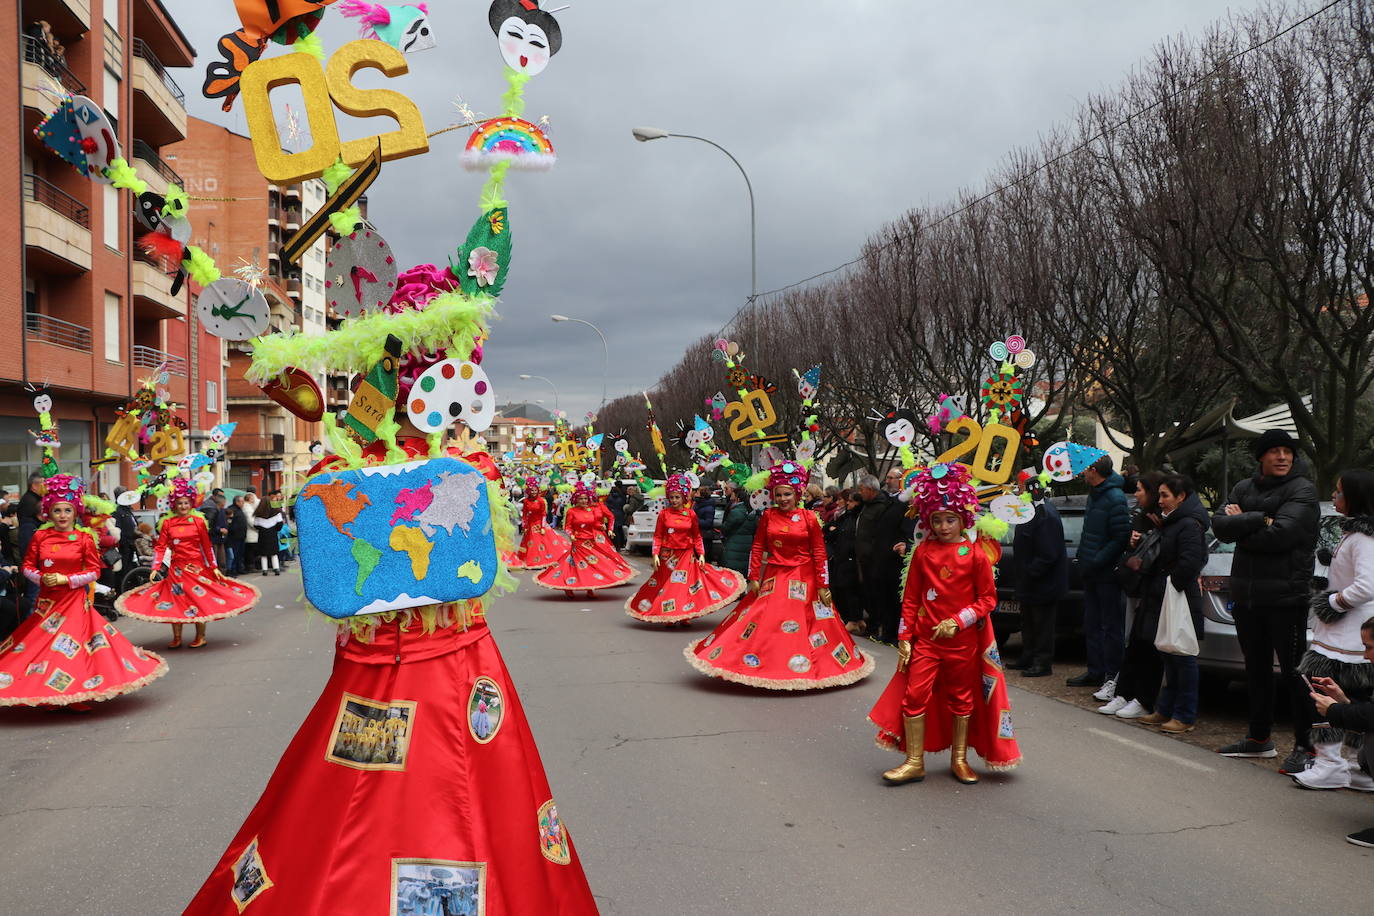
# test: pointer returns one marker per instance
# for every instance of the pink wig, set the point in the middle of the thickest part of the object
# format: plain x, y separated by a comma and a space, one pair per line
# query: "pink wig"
945, 488
63, 488
788, 474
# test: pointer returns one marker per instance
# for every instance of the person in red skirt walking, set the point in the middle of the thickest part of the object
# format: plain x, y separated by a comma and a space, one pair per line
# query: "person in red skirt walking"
65, 654
540, 545
590, 563
192, 589
949, 689
684, 586
784, 634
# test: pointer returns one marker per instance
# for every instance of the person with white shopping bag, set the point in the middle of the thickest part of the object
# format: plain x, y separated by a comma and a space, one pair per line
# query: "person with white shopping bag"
1172, 590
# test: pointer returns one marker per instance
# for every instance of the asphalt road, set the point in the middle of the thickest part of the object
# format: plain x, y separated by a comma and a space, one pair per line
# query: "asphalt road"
684, 795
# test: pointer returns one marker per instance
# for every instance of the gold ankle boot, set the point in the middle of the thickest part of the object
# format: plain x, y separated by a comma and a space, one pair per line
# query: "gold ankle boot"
958, 754
913, 769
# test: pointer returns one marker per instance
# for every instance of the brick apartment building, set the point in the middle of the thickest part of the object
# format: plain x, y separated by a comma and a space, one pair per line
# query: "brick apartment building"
80, 308
270, 446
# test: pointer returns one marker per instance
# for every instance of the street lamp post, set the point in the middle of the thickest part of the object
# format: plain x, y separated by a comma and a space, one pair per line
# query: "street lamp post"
645, 134
550, 383
605, 350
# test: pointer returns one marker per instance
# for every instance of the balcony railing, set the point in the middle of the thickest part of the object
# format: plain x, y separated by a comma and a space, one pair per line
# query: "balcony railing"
142, 50
271, 444
149, 155
37, 52
38, 326
150, 358
56, 199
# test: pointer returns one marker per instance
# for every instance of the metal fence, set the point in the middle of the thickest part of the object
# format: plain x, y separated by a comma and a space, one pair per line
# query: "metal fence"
149, 155
150, 358
37, 52
38, 326
56, 199
142, 50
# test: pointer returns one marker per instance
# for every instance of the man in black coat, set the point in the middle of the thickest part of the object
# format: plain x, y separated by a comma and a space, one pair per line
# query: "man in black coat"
615, 501
1273, 519
30, 504
128, 532
879, 548
1042, 565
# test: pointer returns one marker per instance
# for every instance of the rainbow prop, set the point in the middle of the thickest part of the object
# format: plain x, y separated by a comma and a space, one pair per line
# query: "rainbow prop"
513, 140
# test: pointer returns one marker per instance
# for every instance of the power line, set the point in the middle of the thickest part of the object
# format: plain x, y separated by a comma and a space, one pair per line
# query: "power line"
1046, 164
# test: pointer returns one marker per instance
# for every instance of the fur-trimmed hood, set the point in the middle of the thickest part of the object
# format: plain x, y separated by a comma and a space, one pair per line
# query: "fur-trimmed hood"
1358, 524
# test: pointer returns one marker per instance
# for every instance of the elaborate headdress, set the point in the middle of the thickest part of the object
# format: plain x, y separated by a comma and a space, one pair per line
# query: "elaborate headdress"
184, 487
531, 485
788, 473
945, 488
63, 488
677, 483
581, 489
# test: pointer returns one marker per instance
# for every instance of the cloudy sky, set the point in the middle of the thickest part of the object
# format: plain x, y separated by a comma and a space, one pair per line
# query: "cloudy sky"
844, 112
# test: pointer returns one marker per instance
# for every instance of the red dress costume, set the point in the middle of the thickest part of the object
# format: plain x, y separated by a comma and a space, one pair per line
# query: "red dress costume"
65, 652
783, 637
347, 823
958, 676
590, 562
414, 783
682, 586
540, 545
192, 591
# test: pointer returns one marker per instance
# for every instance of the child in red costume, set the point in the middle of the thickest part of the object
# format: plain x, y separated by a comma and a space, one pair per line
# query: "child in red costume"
540, 545
684, 586
947, 667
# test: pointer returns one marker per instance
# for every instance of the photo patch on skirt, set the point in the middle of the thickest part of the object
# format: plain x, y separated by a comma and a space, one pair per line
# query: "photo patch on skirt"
421, 887
486, 710
250, 877
371, 734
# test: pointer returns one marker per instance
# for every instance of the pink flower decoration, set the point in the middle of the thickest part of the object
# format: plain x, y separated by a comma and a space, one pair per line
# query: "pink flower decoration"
483, 265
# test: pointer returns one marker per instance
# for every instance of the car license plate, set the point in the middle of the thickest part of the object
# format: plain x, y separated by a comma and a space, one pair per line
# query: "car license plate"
1008, 607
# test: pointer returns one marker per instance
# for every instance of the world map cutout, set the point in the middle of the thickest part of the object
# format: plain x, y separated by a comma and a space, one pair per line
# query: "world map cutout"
397, 536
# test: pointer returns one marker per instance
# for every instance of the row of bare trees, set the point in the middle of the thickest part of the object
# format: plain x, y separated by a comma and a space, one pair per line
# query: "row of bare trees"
1205, 233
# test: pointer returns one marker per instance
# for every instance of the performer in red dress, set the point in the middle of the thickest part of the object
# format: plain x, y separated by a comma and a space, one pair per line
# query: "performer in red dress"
65, 653
683, 585
949, 689
590, 562
194, 589
784, 634
540, 545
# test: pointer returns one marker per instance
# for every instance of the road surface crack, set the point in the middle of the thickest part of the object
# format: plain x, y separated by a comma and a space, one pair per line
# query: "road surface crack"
621, 741
1168, 832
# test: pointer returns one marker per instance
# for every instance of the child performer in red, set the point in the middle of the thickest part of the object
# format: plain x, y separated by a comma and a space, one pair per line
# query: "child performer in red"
590, 562
540, 545
684, 585
949, 689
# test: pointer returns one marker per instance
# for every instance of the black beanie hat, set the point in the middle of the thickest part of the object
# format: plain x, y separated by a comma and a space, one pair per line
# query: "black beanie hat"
1273, 438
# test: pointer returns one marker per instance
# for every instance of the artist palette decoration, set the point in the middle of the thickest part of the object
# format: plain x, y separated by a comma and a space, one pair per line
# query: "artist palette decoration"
414, 534
453, 389
360, 273
233, 309
521, 143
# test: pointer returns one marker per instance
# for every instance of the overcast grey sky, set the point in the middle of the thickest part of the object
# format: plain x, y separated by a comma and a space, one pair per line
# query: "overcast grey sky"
845, 113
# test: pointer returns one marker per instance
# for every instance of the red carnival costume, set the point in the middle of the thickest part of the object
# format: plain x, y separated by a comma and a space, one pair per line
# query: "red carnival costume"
683, 585
65, 652
416, 768
590, 562
194, 590
783, 637
540, 545
953, 692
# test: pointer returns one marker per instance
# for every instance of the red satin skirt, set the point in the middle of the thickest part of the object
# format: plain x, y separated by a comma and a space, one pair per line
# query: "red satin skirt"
589, 563
683, 589
413, 787
782, 638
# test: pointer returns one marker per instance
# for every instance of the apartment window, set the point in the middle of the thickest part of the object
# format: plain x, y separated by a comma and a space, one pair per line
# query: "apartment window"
111, 99
111, 215
211, 396
111, 12
112, 348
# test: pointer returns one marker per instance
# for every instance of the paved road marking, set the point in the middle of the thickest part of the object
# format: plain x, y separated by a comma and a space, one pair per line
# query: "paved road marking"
1191, 764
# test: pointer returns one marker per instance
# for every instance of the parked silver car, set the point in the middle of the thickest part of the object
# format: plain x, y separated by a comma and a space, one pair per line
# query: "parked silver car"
1220, 650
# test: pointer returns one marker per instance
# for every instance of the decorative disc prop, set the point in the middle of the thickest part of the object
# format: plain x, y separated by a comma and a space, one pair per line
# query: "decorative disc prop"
295, 390
1057, 462
361, 274
1012, 509
98, 136
233, 309
454, 389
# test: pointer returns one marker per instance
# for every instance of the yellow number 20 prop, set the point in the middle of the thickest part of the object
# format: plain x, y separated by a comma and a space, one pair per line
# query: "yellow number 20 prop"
980, 440
324, 88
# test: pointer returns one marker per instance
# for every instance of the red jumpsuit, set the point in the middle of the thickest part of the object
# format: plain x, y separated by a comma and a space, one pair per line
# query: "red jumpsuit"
681, 588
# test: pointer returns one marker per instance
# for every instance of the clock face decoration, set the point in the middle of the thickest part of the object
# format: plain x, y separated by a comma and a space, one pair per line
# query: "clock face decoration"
360, 274
233, 309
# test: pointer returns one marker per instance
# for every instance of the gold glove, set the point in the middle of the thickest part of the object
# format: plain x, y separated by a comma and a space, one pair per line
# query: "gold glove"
753, 586
655, 561
825, 596
945, 629
903, 654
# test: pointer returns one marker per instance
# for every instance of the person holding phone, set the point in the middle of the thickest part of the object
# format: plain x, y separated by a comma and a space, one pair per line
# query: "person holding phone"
1336, 708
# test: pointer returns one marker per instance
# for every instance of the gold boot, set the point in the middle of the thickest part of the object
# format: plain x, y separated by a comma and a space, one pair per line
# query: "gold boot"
958, 754
913, 769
